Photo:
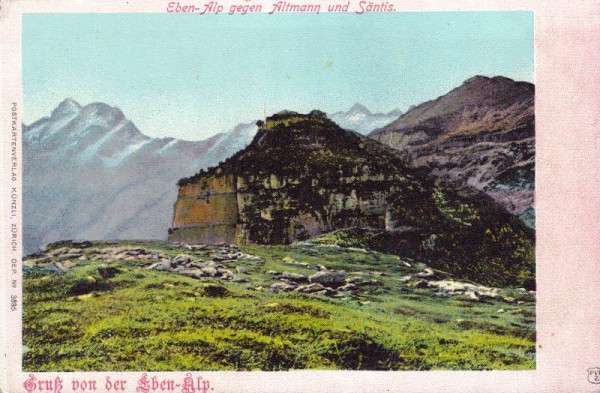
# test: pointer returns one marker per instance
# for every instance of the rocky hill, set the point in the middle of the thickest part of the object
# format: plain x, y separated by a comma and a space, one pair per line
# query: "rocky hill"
89, 173
480, 134
303, 176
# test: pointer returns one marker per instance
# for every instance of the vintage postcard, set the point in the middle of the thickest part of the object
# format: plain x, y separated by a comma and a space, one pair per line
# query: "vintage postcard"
291, 196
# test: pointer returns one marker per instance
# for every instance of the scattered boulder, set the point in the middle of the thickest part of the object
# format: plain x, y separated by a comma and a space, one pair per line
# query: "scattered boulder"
183, 259
427, 272
310, 288
421, 284
197, 247
471, 295
456, 287
334, 278
163, 266
353, 280
241, 269
283, 286
209, 271
348, 287
296, 277
251, 258
194, 273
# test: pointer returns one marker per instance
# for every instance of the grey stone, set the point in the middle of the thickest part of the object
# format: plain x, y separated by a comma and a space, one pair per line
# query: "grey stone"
194, 273
163, 265
183, 258
328, 277
348, 287
427, 272
294, 277
310, 288
421, 284
283, 287
210, 271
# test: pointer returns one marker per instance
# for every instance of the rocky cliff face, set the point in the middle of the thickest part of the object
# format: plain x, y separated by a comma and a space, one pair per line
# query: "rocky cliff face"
207, 211
480, 135
303, 175
289, 185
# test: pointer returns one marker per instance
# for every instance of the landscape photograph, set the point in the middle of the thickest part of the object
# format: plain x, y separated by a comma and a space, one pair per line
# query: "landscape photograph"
279, 192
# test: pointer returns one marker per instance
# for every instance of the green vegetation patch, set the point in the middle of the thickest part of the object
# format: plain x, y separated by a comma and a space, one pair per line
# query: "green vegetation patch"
121, 316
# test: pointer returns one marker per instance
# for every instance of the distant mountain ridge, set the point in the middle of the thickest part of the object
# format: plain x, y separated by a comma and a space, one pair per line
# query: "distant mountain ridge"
89, 173
480, 134
360, 119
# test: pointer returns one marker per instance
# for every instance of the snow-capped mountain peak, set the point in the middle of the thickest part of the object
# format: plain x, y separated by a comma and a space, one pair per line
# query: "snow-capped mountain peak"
359, 108
88, 172
66, 108
359, 118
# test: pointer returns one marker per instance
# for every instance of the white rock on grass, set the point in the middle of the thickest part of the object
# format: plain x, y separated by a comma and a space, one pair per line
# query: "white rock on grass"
427, 272
297, 277
328, 277
283, 287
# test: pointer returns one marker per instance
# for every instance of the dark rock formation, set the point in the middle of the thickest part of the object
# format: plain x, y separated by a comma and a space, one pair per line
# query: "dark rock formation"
302, 176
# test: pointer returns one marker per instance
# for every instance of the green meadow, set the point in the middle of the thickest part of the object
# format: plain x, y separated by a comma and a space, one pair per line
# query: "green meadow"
119, 315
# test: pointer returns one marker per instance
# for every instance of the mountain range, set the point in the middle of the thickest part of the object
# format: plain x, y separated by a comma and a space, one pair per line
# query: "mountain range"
481, 135
89, 173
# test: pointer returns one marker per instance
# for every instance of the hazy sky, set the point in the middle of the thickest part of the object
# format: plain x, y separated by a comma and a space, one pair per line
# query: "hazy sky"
191, 76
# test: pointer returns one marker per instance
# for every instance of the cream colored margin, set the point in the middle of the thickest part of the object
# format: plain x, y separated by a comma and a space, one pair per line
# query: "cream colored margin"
567, 45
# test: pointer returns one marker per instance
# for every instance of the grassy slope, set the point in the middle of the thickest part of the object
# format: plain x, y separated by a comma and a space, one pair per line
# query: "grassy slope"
94, 318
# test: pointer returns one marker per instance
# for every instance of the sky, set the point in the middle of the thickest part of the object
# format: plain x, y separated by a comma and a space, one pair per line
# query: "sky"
190, 76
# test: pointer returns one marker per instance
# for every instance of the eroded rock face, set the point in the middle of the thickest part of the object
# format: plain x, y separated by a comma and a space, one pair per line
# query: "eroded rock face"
480, 135
302, 176
206, 212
